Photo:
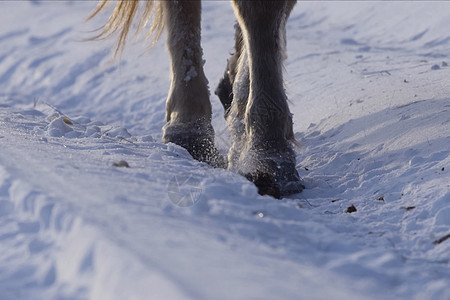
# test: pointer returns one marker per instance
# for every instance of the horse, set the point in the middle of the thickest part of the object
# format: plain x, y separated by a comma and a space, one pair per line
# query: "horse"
251, 90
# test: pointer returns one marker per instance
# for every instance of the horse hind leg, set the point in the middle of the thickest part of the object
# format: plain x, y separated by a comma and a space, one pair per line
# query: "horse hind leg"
233, 92
267, 157
224, 89
188, 108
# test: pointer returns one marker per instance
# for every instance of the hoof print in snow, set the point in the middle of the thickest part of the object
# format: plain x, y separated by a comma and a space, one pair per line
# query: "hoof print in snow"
121, 164
350, 209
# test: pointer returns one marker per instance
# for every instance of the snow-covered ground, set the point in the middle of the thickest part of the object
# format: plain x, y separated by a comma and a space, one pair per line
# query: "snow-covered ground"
370, 92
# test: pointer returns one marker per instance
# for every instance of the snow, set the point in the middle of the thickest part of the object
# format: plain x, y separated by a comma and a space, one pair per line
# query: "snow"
369, 90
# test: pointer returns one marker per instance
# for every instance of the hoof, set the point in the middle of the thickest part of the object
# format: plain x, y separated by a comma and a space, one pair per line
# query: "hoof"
225, 93
197, 140
275, 185
277, 177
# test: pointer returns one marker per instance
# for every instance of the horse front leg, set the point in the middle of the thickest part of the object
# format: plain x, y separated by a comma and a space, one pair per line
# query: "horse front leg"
224, 89
188, 108
267, 157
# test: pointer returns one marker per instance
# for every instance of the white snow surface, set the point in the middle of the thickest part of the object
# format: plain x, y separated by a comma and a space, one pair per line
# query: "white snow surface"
369, 88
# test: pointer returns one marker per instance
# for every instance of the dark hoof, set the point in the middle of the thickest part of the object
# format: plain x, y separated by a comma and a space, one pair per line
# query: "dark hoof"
198, 143
225, 93
281, 182
203, 149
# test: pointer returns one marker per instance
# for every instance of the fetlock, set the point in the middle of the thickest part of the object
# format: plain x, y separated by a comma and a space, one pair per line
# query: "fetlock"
198, 139
272, 171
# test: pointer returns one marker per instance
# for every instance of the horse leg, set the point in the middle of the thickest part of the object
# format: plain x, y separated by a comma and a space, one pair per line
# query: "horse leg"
224, 89
235, 85
267, 157
188, 109
233, 92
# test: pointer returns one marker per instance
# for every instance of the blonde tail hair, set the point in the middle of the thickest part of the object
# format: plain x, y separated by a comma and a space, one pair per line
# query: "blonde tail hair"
122, 18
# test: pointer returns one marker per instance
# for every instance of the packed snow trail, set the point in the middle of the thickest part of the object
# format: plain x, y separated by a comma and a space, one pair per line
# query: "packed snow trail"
91, 201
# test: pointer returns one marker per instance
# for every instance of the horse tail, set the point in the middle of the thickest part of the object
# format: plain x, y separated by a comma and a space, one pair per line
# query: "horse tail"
122, 18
